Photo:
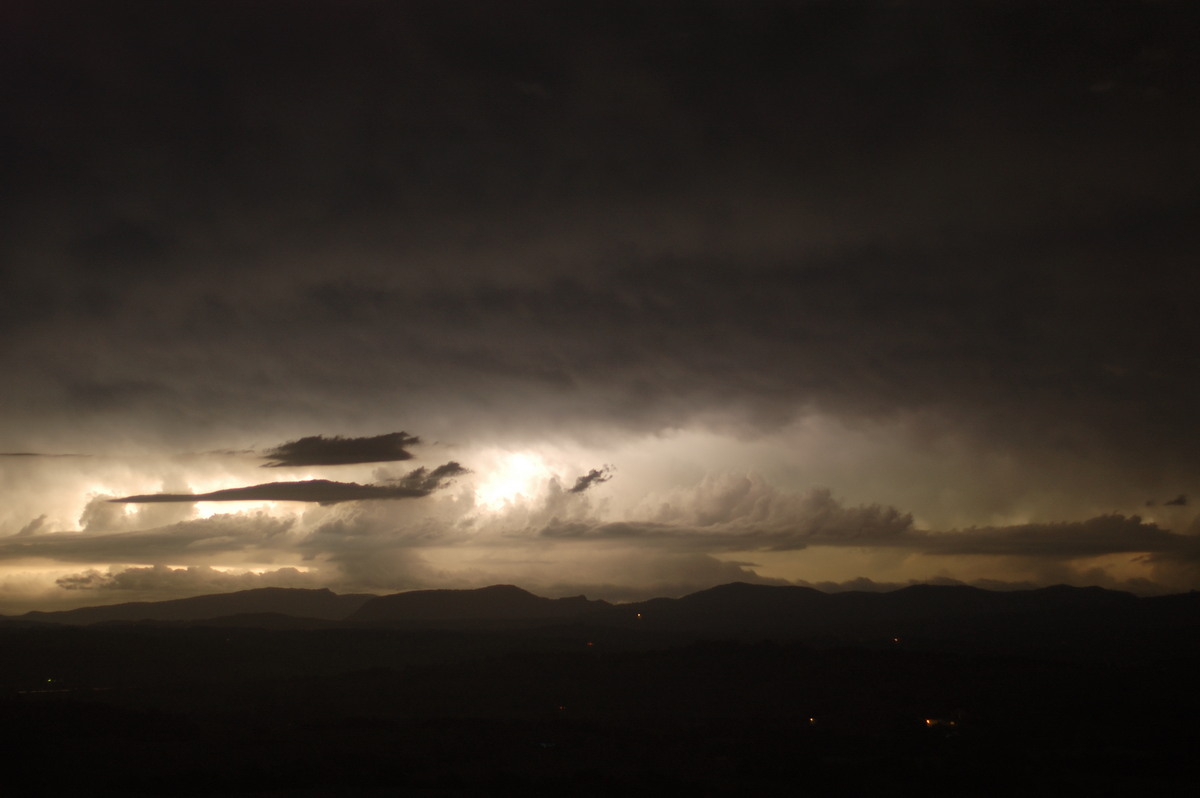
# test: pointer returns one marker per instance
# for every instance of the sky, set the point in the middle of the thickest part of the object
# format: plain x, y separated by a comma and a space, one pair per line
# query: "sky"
621, 299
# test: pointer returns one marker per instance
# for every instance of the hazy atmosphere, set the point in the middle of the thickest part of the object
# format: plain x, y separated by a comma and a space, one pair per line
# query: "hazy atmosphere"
621, 299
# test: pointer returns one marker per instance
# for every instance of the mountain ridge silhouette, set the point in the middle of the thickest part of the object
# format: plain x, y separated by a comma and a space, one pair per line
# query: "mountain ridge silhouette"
491, 603
1045, 617
319, 603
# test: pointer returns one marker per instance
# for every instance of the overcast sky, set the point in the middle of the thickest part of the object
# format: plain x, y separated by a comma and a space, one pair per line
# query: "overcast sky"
626, 299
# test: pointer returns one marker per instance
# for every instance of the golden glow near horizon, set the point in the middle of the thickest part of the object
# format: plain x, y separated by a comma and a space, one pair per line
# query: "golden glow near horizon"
669, 518
210, 509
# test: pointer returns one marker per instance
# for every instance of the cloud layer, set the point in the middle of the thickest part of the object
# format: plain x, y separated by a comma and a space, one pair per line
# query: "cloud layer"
727, 527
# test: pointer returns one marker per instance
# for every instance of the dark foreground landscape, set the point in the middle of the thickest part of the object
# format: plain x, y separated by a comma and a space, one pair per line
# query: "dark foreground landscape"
736, 690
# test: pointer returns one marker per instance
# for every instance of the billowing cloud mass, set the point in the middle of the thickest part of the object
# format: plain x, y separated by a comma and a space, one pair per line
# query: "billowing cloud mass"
316, 450
887, 292
724, 528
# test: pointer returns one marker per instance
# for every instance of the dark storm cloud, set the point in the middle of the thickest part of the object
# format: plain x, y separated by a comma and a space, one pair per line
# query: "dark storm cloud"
573, 218
594, 476
511, 212
121, 249
420, 482
1011, 340
317, 450
1179, 501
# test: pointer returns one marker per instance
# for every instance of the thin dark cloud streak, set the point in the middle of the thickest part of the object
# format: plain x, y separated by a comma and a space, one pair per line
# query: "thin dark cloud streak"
42, 454
416, 484
317, 450
322, 491
949, 285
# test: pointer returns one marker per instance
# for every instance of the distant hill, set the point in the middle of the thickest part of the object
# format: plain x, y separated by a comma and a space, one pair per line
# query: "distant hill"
321, 604
739, 688
1069, 620
495, 603
742, 609
1065, 620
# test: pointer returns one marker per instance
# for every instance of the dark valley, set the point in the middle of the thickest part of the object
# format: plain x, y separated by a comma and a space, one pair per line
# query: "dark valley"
1059, 691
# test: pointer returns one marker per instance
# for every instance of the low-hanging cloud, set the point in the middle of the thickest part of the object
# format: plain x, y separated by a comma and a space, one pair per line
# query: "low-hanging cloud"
735, 512
191, 579
317, 450
187, 541
1094, 537
882, 528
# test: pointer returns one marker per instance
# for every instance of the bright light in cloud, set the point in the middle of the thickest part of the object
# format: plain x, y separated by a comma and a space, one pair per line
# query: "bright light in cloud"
238, 570
513, 477
209, 509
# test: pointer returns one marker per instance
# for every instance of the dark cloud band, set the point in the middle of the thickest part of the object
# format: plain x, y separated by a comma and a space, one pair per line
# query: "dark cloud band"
415, 484
317, 450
